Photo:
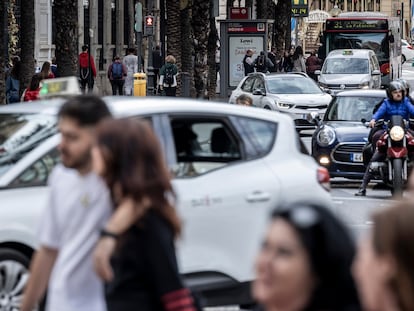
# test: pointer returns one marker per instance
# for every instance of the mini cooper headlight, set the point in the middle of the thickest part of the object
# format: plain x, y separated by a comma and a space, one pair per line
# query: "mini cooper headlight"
397, 133
326, 136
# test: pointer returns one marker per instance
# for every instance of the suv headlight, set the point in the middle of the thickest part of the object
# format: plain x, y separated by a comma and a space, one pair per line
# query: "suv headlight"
282, 105
364, 85
326, 136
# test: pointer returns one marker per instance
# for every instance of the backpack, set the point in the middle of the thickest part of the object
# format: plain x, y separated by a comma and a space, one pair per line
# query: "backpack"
261, 62
116, 71
169, 75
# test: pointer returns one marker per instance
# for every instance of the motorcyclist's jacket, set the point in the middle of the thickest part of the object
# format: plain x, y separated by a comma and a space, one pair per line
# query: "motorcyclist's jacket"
390, 108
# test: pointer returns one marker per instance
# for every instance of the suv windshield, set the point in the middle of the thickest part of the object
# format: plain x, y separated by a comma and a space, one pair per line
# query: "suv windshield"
293, 85
20, 133
345, 66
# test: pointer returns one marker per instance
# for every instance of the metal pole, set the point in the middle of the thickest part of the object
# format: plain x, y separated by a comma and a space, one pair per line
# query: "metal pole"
150, 68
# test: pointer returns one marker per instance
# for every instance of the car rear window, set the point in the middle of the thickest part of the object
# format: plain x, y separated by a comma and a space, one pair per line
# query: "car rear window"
20, 133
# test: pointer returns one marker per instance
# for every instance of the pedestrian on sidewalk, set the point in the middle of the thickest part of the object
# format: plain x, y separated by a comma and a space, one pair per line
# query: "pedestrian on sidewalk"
168, 77
117, 73
87, 70
130, 61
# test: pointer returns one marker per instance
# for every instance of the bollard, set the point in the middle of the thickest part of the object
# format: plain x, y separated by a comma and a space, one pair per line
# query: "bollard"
185, 82
140, 84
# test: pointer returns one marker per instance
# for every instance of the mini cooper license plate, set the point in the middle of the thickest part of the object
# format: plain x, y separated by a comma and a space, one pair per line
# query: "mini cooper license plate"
357, 157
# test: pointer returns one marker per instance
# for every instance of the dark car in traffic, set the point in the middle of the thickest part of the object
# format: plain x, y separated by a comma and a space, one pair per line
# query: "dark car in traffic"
341, 135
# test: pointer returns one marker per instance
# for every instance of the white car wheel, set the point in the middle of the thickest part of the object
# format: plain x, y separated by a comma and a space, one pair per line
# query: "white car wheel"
14, 273
403, 58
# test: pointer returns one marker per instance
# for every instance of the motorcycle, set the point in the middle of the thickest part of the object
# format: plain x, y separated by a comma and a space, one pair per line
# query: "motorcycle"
396, 149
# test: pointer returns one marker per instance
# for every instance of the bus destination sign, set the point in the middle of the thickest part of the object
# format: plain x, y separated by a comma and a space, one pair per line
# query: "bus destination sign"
361, 24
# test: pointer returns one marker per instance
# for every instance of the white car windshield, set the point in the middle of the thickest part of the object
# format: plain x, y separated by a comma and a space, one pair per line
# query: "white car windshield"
345, 66
20, 133
293, 85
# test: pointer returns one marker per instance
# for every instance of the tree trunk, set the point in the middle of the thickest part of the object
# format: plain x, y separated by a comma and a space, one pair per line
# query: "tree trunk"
283, 16
211, 58
187, 49
174, 34
3, 47
201, 30
66, 14
27, 34
131, 17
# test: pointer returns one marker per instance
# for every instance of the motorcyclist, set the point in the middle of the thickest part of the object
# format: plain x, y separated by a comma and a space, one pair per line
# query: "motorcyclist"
395, 104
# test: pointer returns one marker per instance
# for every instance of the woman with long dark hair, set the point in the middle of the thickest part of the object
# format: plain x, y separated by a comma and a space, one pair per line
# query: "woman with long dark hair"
145, 274
304, 263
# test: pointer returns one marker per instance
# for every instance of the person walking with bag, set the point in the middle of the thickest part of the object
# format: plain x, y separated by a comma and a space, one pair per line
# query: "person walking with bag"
87, 69
144, 272
117, 72
168, 77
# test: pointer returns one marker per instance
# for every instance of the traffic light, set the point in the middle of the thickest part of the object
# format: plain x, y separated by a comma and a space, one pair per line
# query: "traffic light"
138, 17
398, 12
149, 21
149, 25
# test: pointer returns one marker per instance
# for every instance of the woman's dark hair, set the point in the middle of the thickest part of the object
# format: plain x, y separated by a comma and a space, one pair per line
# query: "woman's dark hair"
393, 235
298, 52
86, 110
134, 162
331, 251
44, 72
34, 82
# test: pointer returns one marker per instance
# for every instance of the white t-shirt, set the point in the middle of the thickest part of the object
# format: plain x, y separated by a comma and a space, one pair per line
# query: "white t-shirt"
78, 208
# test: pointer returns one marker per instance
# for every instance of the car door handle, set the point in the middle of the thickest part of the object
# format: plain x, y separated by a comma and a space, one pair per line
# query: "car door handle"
258, 196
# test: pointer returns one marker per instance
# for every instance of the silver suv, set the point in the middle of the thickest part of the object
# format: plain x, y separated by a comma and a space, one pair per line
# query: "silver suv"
350, 69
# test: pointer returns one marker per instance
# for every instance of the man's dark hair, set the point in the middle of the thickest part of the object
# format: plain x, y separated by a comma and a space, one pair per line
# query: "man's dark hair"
87, 110
84, 48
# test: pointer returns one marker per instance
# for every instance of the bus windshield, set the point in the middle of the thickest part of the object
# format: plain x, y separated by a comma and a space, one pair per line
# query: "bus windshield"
376, 41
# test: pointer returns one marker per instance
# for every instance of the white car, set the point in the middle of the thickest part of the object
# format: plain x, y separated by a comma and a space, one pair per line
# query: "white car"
407, 51
233, 165
295, 94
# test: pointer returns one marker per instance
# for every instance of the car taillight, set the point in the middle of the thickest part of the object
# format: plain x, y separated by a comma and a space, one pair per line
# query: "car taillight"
409, 47
323, 178
385, 68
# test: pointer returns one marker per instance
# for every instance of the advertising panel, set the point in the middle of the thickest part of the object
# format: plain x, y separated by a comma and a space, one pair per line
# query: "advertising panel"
237, 49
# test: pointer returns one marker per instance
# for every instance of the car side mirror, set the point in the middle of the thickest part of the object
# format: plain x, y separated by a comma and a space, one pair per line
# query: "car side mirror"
375, 72
258, 92
313, 117
317, 72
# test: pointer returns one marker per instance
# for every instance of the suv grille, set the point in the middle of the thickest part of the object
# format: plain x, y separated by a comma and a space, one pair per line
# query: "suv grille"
311, 107
342, 152
347, 86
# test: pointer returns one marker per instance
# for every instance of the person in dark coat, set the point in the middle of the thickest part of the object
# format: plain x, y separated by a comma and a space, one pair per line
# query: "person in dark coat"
313, 63
248, 65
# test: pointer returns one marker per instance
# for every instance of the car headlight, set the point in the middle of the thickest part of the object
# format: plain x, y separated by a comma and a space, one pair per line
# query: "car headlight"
324, 85
397, 133
326, 136
364, 85
282, 105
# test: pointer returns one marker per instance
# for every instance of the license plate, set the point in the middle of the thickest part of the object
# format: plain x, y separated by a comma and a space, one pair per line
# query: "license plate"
357, 157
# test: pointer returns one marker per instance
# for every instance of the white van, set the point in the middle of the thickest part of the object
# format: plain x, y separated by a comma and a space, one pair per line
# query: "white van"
350, 69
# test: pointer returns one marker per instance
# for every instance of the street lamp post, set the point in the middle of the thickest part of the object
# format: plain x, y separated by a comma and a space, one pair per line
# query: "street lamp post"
87, 38
274, 24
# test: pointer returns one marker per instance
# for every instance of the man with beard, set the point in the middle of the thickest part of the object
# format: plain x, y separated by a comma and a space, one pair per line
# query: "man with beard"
79, 205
